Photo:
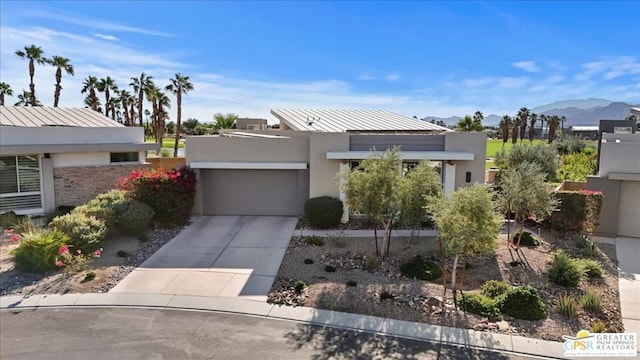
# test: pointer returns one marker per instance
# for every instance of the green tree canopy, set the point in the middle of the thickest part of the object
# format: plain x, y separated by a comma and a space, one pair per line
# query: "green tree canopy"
545, 156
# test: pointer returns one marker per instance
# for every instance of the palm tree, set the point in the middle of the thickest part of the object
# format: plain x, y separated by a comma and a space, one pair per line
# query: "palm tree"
106, 85
5, 89
60, 63
553, 121
562, 120
543, 118
505, 126
179, 84
515, 130
523, 119
141, 86
115, 106
24, 99
89, 87
532, 123
93, 103
224, 121
163, 102
35, 54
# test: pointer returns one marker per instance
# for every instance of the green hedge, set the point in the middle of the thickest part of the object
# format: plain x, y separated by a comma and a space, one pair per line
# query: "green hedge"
523, 302
479, 304
323, 212
578, 211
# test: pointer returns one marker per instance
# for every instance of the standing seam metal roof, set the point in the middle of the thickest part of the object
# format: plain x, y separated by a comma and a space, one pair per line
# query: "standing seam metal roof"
351, 120
39, 116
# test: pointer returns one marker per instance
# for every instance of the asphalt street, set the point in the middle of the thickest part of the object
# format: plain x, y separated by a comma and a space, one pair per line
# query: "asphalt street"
126, 333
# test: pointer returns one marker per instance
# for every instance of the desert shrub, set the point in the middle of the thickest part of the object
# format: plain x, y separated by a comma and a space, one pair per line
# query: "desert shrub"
385, 295
567, 306
314, 240
134, 217
351, 283
9, 219
85, 232
598, 327
329, 268
106, 207
564, 270
58, 211
522, 302
371, 263
527, 239
494, 288
170, 194
299, 285
165, 153
323, 212
90, 276
578, 211
420, 268
541, 154
576, 167
590, 300
589, 247
41, 250
592, 268
479, 304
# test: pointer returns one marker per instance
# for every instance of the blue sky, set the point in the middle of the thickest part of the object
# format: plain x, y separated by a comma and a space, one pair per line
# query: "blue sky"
414, 58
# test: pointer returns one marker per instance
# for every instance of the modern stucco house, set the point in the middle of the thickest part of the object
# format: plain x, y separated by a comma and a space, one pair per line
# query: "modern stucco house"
274, 172
618, 178
62, 156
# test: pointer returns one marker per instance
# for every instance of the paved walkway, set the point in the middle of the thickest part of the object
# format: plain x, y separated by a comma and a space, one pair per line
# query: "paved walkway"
225, 256
628, 254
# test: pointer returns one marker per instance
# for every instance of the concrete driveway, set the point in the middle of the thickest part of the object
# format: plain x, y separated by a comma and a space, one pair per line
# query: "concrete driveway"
225, 256
628, 253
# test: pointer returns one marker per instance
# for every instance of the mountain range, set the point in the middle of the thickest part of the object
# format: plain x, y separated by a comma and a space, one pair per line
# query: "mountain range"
577, 112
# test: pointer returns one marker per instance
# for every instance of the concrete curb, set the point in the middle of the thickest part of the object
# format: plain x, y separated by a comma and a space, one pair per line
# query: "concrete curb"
363, 233
384, 326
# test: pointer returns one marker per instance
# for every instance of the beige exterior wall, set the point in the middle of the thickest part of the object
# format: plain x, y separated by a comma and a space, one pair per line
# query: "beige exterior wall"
620, 154
323, 172
77, 185
216, 148
80, 159
608, 222
468, 142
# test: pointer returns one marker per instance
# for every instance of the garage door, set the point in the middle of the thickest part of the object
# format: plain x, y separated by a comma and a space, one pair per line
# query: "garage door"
629, 210
254, 192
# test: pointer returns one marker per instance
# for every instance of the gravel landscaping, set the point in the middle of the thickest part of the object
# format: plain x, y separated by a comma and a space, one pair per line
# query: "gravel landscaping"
381, 290
109, 269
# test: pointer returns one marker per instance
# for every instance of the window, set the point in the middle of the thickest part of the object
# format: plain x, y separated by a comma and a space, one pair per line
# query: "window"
124, 157
20, 183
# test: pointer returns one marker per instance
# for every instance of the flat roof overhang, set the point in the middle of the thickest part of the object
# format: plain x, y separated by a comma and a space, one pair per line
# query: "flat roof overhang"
624, 176
230, 165
404, 155
74, 148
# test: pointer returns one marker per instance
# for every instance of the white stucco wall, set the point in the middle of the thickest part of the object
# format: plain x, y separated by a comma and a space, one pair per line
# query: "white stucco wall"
619, 153
70, 135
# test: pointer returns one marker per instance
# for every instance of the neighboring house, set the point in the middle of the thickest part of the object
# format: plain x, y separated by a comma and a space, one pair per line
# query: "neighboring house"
251, 124
584, 132
274, 172
62, 156
618, 178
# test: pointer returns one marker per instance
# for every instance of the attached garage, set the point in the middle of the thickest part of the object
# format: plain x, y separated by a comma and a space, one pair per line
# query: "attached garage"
254, 191
629, 209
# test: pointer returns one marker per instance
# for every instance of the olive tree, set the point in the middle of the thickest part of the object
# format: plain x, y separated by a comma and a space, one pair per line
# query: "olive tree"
542, 154
377, 189
524, 192
468, 225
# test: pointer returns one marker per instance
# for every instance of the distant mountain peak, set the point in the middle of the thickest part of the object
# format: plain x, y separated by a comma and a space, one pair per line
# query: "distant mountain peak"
582, 104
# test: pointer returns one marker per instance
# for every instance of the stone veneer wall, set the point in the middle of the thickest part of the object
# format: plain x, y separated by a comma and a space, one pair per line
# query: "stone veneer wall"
79, 184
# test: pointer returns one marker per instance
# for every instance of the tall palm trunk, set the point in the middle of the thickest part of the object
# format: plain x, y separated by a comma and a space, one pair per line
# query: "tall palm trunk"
56, 97
32, 86
1, 99
107, 104
178, 118
140, 99
132, 113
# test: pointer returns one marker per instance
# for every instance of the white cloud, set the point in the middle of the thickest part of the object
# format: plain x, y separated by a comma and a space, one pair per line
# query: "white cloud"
105, 37
387, 77
512, 82
92, 23
528, 66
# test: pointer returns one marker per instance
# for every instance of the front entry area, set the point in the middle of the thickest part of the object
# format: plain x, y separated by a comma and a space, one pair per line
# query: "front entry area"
257, 192
629, 209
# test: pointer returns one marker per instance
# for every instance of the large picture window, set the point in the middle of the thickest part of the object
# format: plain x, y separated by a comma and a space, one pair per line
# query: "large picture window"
20, 183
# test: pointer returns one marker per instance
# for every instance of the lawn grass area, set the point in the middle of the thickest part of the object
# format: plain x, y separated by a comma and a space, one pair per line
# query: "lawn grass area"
495, 145
167, 143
